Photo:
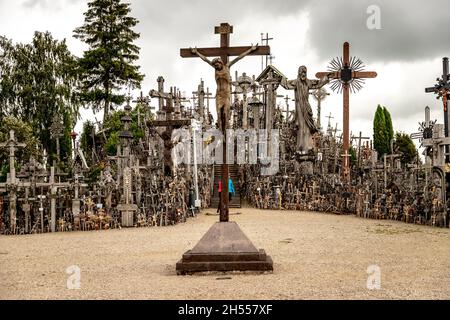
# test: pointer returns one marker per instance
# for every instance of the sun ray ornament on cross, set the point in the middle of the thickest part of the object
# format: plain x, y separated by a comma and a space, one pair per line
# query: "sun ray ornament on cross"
348, 77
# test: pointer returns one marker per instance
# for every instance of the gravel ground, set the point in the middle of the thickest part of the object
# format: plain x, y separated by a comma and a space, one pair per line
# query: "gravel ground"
316, 256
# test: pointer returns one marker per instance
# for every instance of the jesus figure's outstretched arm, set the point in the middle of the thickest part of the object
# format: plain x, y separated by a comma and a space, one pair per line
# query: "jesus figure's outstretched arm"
243, 54
195, 51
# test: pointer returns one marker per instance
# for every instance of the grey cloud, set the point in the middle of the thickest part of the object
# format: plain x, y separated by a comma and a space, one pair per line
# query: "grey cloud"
411, 30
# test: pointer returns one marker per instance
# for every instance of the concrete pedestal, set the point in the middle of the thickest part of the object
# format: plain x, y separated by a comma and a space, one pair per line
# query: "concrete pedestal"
224, 248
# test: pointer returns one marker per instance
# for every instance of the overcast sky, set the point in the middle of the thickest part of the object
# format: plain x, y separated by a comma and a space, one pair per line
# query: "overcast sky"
406, 52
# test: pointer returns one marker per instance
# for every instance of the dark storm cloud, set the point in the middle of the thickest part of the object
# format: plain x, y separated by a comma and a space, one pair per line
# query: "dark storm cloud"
411, 30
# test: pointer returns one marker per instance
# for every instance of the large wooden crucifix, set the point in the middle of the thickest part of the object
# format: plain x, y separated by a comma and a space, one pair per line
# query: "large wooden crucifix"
348, 75
442, 89
223, 94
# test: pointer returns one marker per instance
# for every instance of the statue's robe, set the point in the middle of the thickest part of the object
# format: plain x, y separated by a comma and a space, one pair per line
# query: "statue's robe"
303, 111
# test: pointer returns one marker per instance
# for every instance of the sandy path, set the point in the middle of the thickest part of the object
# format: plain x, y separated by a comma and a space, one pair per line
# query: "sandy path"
316, 256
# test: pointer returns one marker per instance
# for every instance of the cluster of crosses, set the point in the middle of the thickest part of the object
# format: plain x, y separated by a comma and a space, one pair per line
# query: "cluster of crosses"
315, 171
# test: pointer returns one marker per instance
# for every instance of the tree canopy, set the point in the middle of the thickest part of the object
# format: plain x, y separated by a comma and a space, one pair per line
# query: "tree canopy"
108, 64
383, 131
405, 146
38, 83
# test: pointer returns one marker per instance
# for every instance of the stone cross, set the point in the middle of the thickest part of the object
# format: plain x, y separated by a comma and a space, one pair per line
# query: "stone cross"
200, 93
244, 82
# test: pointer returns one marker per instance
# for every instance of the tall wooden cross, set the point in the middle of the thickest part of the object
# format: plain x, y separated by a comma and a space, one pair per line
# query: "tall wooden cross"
442, 89
224, 51
348, 75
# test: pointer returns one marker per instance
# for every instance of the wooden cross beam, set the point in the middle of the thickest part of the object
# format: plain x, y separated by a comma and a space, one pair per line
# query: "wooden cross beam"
346, 75
224, 52
169, 123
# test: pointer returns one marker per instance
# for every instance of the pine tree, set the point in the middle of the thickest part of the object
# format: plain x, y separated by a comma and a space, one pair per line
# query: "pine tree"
108, 64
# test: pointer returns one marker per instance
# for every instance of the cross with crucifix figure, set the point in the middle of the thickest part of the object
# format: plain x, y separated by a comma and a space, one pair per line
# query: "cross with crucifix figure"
348, 76
223, 94
169, 123
442, 89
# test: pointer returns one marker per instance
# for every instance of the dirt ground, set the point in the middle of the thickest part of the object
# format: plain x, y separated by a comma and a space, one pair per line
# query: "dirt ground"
316, 256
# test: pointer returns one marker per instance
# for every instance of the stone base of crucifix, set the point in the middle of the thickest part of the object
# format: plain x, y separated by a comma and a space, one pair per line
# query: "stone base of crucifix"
224, 248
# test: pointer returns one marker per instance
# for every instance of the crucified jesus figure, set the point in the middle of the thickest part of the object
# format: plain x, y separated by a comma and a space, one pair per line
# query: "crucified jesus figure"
223, 80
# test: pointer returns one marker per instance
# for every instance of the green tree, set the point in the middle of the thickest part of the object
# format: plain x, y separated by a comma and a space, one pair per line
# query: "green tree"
352, 153
112, 127
389, 128
380, 132
405, 146
87, 141
383, 131
108, 64
38, 82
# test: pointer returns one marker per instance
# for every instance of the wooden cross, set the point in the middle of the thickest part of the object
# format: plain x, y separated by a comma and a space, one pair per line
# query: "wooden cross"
224, 51
329, 122
359, 145
319, 95
346, 75
442, 89
266, 39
